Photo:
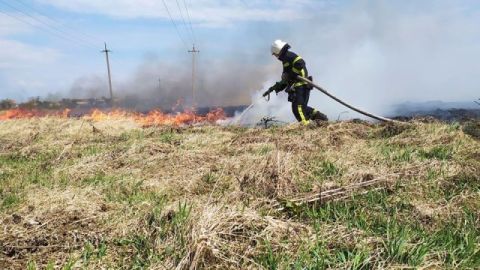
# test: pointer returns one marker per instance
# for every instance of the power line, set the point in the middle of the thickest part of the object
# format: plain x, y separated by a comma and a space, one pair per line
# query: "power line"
58, 32
69, 38
36, 26
57, 25
190, 21
90, 38
183, 19
174, 24
53, 33
48, 27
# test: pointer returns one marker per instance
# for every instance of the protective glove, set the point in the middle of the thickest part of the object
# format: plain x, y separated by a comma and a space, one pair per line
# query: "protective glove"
270, 90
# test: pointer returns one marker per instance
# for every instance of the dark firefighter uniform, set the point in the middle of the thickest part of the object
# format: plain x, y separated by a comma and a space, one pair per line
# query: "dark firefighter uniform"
298, 91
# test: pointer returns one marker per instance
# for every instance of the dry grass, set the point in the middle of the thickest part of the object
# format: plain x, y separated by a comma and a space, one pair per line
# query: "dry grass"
115, 195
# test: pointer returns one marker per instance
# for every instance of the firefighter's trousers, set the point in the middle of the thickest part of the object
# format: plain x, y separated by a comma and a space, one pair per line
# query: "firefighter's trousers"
303, 113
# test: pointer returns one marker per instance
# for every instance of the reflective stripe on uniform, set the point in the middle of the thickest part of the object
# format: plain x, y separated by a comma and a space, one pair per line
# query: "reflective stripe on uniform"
286, 64
293, 65
302, 116
302, 74
299, 72
299, 84
296, 59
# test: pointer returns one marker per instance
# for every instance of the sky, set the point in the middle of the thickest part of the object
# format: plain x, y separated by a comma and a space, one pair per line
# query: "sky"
371, 53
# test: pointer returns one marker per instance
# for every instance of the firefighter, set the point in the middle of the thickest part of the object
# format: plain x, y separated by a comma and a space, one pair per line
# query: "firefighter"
298, 91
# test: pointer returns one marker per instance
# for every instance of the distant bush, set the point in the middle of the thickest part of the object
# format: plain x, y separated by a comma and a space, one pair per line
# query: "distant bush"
37, 103
6, 104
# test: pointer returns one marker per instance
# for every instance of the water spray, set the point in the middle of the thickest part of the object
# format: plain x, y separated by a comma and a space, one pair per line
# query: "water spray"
244, 112
266, 97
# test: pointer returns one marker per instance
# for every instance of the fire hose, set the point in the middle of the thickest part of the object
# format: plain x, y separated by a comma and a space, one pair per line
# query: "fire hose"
380, 118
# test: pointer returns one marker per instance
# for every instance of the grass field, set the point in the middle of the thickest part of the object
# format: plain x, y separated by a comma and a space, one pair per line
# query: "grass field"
114, 195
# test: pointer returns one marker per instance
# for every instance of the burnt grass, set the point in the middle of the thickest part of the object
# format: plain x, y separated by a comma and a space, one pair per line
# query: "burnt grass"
114, 195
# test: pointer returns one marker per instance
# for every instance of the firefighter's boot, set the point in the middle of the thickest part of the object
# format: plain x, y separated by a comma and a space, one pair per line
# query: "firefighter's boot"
318, 116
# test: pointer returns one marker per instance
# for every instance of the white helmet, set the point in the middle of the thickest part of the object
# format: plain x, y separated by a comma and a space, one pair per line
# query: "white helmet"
277, 47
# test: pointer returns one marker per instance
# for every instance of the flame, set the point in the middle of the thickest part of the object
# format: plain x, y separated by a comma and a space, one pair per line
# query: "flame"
157, 117
98, 115
152, 118
19, 113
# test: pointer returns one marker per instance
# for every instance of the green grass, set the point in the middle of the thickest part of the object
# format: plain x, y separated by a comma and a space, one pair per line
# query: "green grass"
394, 153
430, 217
319, 255
438, 152
130, 193
324, 169
162, 226
405, 239
99, 179
329, 169
142, 251
399, 245
321, 170
458, 184
9, 200
209, 178
32, 265
270, 259
456, 242
169, 137
92, 150
93, 252
19, 172
69, 265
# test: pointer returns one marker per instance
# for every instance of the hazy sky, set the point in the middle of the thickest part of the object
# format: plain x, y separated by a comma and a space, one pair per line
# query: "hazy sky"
372, 53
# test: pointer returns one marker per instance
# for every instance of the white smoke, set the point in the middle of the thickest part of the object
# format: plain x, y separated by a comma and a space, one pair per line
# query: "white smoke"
277, 107
373, 54
376, 54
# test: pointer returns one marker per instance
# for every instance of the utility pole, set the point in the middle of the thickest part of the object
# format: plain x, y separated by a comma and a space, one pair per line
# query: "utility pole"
193, 52
106, 51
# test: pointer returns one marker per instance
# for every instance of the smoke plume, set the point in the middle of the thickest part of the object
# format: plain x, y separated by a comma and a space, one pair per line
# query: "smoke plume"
373, 54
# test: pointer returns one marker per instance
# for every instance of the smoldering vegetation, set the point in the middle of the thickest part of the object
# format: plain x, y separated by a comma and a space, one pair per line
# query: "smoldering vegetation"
159, 84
